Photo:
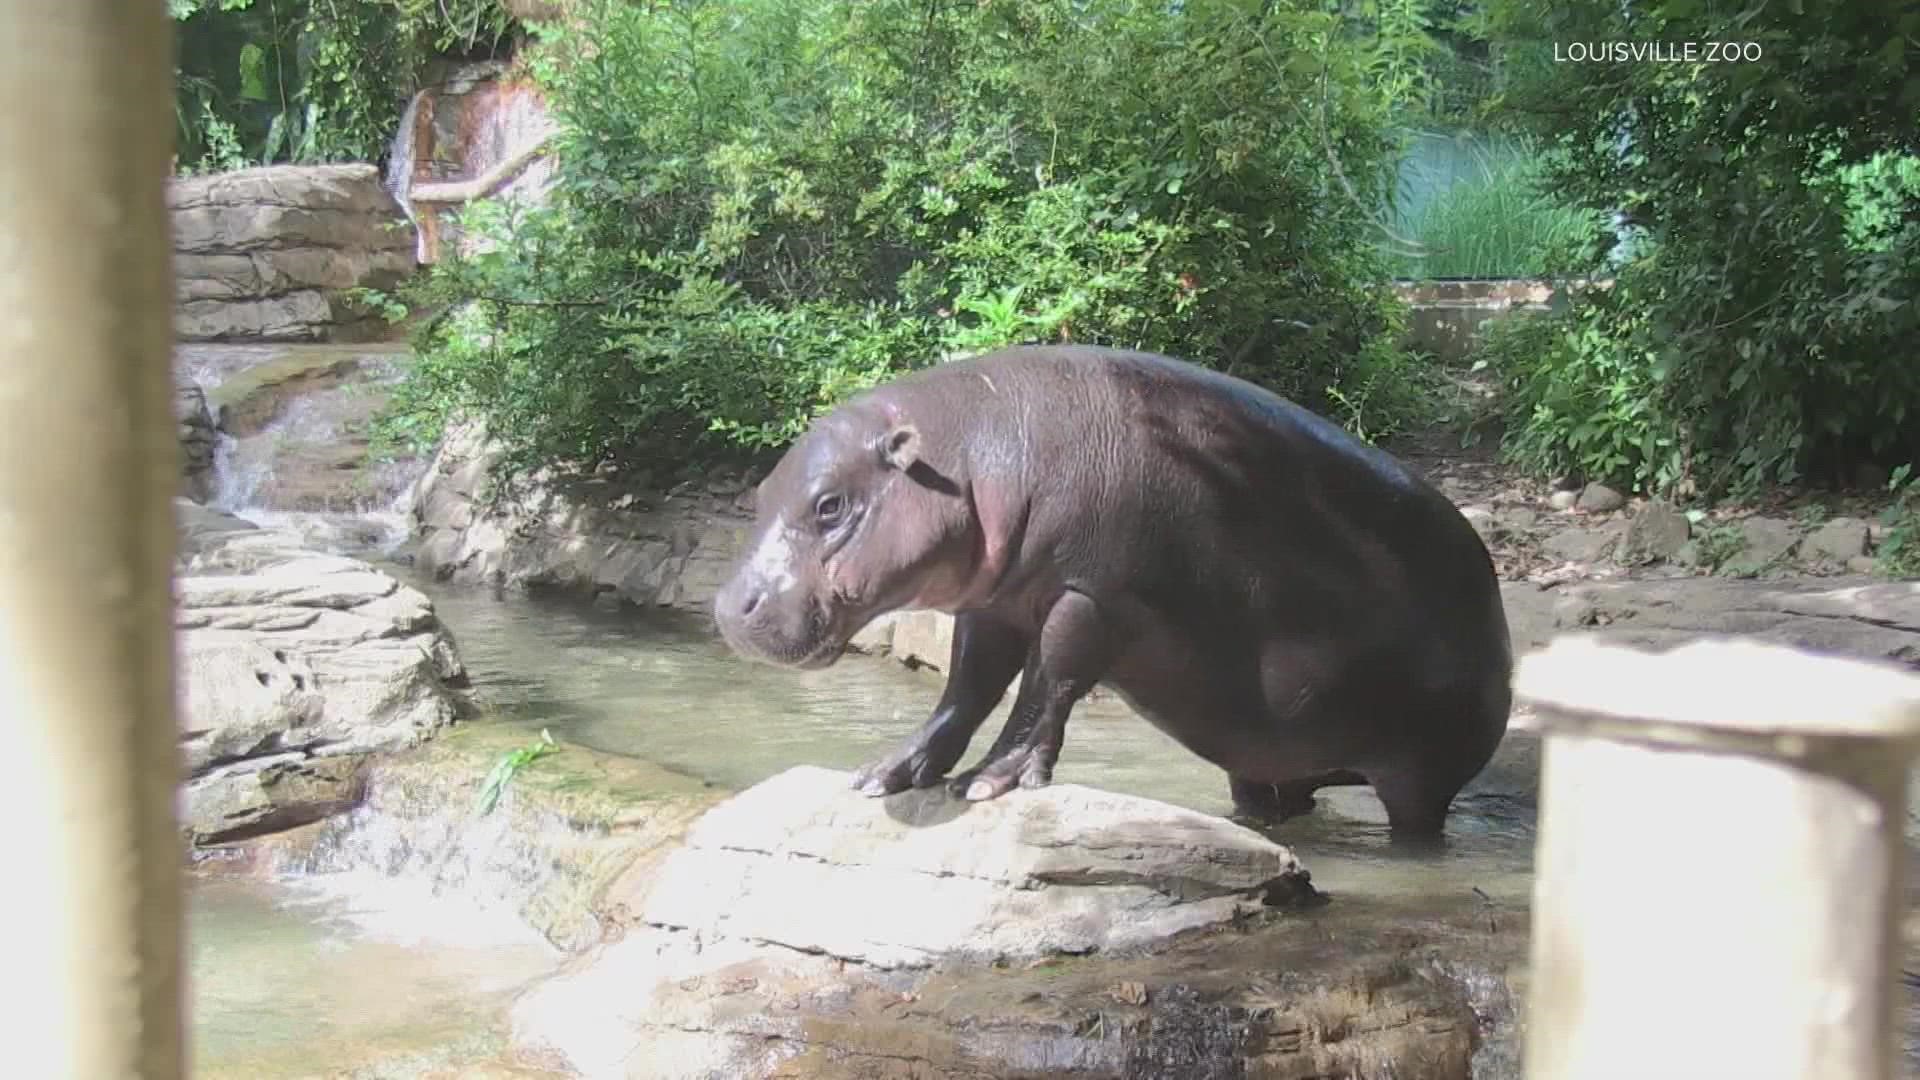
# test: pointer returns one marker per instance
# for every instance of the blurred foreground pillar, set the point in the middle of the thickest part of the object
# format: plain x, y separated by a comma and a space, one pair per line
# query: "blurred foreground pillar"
87, 470
1719, 871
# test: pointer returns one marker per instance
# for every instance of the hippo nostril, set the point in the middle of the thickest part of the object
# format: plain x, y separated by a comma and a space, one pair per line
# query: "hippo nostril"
754, 600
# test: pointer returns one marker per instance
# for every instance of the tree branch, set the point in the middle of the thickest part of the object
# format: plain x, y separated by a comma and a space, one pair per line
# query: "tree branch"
464, 191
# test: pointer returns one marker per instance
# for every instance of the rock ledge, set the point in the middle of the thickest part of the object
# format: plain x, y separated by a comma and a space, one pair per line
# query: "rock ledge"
294, 667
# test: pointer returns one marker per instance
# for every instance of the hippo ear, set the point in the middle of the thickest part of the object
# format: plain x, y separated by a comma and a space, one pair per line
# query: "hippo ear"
901, 447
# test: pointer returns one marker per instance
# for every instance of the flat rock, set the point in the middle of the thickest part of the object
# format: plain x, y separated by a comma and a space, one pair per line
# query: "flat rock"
804, 930
289, 658
271, 253
918, 877
1483, 521
1512, 519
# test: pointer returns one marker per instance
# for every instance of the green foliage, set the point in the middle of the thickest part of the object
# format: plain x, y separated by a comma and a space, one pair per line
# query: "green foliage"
220, 141
1578, 400
1500, 223
1877, 195
1427, 57
766, 206
310, 80
1898, 555
1768, 309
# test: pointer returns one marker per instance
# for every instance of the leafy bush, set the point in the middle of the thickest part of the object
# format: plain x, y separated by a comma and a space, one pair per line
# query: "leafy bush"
1579, 400
1769, 310
764, 206
260, 81
1899, 552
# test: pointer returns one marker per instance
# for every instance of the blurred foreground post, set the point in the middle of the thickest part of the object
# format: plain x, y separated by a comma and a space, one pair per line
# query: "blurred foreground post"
1719, 862
87, 471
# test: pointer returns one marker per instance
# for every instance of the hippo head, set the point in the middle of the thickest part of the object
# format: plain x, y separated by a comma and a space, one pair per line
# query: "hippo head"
852, 523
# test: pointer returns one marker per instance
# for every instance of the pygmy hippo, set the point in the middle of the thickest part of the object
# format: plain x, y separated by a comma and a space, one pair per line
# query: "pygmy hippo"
1286, 602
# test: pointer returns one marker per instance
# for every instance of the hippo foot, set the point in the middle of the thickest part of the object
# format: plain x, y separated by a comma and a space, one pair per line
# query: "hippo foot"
1257, 818
913, 765
1022, 767
1271, 804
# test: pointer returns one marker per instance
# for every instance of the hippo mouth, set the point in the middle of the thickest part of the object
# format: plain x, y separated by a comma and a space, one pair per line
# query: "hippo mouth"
817, 641
829, 643
824, 655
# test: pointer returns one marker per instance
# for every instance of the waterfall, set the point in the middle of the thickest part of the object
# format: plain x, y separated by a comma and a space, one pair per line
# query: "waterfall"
423, 874
401, 168
418, 846
303, 471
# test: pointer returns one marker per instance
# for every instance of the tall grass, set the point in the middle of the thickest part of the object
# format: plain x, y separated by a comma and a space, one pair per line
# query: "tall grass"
1494, 221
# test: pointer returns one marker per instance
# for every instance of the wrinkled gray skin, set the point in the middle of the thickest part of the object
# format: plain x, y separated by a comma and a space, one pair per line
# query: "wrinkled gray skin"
1284, 601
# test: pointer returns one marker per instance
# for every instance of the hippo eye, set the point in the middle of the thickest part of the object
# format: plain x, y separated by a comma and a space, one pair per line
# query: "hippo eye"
828, 508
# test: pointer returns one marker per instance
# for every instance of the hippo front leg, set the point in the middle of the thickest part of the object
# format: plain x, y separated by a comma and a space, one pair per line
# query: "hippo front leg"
1070, 656
986, 655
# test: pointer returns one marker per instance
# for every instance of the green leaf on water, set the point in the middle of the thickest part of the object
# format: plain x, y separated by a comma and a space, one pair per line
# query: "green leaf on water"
503, 771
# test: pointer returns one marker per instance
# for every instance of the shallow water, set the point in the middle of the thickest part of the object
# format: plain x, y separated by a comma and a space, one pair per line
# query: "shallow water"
324, 975
329, 976
662, 689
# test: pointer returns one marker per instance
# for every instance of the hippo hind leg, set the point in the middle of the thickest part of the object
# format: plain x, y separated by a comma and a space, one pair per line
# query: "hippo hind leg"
1416, 802
1418, 790
1270, 804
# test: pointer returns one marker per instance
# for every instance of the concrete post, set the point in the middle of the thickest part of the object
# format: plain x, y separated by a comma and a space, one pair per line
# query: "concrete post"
87, 470
1719, 868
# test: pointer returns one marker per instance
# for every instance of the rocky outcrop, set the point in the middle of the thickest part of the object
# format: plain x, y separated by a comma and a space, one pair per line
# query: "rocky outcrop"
1858, 617
268, 253
563, 849
804, 930
198, 438
1578, 534
294, 668
609, 535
